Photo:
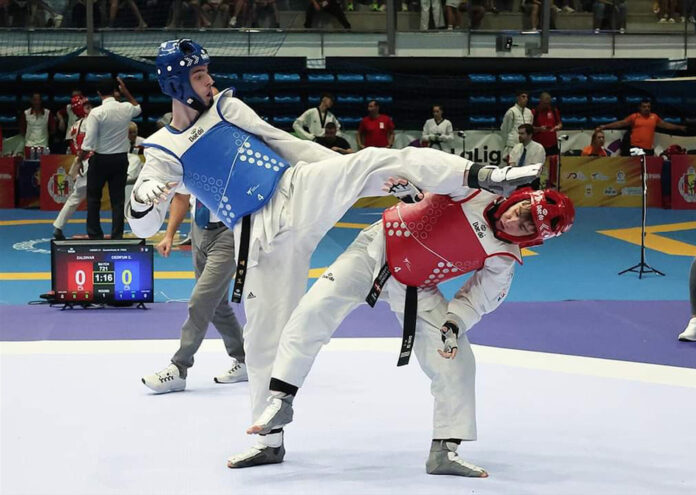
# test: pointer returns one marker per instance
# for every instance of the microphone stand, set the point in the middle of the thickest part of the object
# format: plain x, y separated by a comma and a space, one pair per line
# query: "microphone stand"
642, 267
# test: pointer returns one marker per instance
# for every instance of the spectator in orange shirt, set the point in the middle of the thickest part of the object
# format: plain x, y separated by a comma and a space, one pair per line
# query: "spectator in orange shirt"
375, 129
596, 148
643, 124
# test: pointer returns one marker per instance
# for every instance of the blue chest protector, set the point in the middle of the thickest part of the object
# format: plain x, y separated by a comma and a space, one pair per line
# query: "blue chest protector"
231, 171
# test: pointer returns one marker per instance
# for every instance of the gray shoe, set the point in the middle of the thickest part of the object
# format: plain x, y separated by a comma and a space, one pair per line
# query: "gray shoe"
277, 414
258, 455
443, 459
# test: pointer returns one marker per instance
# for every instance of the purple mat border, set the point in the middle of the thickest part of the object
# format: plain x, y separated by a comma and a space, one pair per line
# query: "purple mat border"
637, 331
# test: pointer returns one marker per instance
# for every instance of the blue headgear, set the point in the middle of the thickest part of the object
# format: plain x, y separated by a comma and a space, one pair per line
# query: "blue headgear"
175, 60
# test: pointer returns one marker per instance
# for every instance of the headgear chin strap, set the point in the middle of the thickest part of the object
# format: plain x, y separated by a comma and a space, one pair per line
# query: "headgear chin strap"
553, 214
174, 62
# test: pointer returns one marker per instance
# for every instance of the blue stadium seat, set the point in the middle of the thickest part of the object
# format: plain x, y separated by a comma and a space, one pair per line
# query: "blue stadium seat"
634, 77
159, 99
42, 76
8, 99
92, 77
7, 119
603, 78
572, 77
320, 78
62, 99
254, 78
152, 119
672, 119
313, 100
379, 78
284, 120
669, 100
573, 100
542, 78
138, 119
382, 99
287, 99
605, 100
225, 76
633, 99
482, 100
63, 77
351, 121
512, 78
574, 120
482, 120
602, 119
152, 76
482, 78
256, 100
350, 77
350, 99
8, 77
133, 76
285, 77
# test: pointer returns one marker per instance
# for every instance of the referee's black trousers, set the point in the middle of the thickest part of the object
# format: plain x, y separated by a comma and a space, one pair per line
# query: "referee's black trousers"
111, 169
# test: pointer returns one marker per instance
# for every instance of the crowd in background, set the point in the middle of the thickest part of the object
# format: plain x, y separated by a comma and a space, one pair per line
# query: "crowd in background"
202, 14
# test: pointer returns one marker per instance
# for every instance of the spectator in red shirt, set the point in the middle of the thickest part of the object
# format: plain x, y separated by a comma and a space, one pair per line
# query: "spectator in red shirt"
643, 124
547, 120
596, 148
375, 129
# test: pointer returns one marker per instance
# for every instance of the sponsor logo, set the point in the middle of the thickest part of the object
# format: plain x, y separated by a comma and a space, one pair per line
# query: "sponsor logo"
687, 185
599, 176
620, 177
251, 295
480, 229
195, 134
30, 246
631, 191
541, 212
5, 177
60, 185
251, 190
407, 262
588, 190
330, 277
610, 191
484, 155
576, 176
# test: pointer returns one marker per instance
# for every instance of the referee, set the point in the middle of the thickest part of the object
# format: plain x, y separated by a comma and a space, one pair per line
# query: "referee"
106, 133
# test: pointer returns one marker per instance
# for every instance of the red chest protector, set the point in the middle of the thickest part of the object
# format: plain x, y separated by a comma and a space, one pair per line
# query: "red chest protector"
438, 238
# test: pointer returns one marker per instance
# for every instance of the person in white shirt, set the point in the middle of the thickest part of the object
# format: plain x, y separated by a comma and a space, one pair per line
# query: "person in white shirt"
527, 150
36, 124
106, 134
312, 122
437, 132
516, 115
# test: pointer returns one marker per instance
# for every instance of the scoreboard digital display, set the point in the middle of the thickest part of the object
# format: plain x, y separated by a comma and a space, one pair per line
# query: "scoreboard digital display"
102, 271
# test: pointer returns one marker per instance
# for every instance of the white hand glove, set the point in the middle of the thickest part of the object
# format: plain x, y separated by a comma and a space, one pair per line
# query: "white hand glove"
449, 334
403, 190
505, 180
152, 192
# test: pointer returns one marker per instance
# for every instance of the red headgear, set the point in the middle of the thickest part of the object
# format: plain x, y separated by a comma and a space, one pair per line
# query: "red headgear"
552, 212
77, 105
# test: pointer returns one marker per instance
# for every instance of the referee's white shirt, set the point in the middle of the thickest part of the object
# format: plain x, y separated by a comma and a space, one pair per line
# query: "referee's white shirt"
106, 127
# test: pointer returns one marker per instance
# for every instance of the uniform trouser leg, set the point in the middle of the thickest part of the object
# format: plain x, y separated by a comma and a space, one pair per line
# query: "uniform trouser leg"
335, 10
425, 14
118, 177
73, 202
452, 380
96, 178
214, 266
341, 289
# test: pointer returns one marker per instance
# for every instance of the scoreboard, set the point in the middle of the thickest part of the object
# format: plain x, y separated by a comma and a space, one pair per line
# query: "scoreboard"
102, 271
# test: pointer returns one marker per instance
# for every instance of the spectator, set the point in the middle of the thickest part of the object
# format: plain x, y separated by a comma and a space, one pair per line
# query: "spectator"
190, 9
436, 6
596, 147
547, 120
66, 118
643, 124
438, 130
690, 10
312, 122
476, 10
135, 141
36, 124
527, 151
375, 129
114, 6
332, 7
453, 13
80, 106
668, 11
332, 141
533, 14
239, 6
265, 5
611, 13
516, 115
563, 6
216, 12
106, 134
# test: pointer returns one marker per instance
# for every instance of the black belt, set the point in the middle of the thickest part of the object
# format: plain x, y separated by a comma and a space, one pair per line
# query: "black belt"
410, 312
243, 258
213, 225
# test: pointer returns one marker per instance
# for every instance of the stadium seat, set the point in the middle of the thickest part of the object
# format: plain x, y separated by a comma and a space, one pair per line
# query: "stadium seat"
93, 77
605, 100
320, 78
286, 78
481, 100
313, 100
574, 120
669, 100
634, 77
351, 121
256, 100
138, 119
482, 120
255, 78
350, 99
63, 77
284, 120
350, 78
152, 76
134, 76
8, 77
382, 99
62, 99
572, 77
512, 79
225, 77
159, 99
633, 99
379, 78
603, 78
543, 79
7, 118
672, 120
152, 119
42, 76
602, 119
8, 99
573, 100
287, 99
482, 78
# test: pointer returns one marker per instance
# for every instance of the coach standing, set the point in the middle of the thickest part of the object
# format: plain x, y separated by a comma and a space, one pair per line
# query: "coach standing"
106, 133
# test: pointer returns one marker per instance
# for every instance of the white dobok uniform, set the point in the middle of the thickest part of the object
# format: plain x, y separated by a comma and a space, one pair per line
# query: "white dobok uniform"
310, 196
430, 246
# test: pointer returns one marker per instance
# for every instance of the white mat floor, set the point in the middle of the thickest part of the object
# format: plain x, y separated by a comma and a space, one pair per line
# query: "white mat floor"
76, 420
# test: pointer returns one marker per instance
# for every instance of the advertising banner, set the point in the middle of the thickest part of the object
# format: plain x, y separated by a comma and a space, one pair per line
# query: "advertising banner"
684, 182
7, 182
56, 184
28, 184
